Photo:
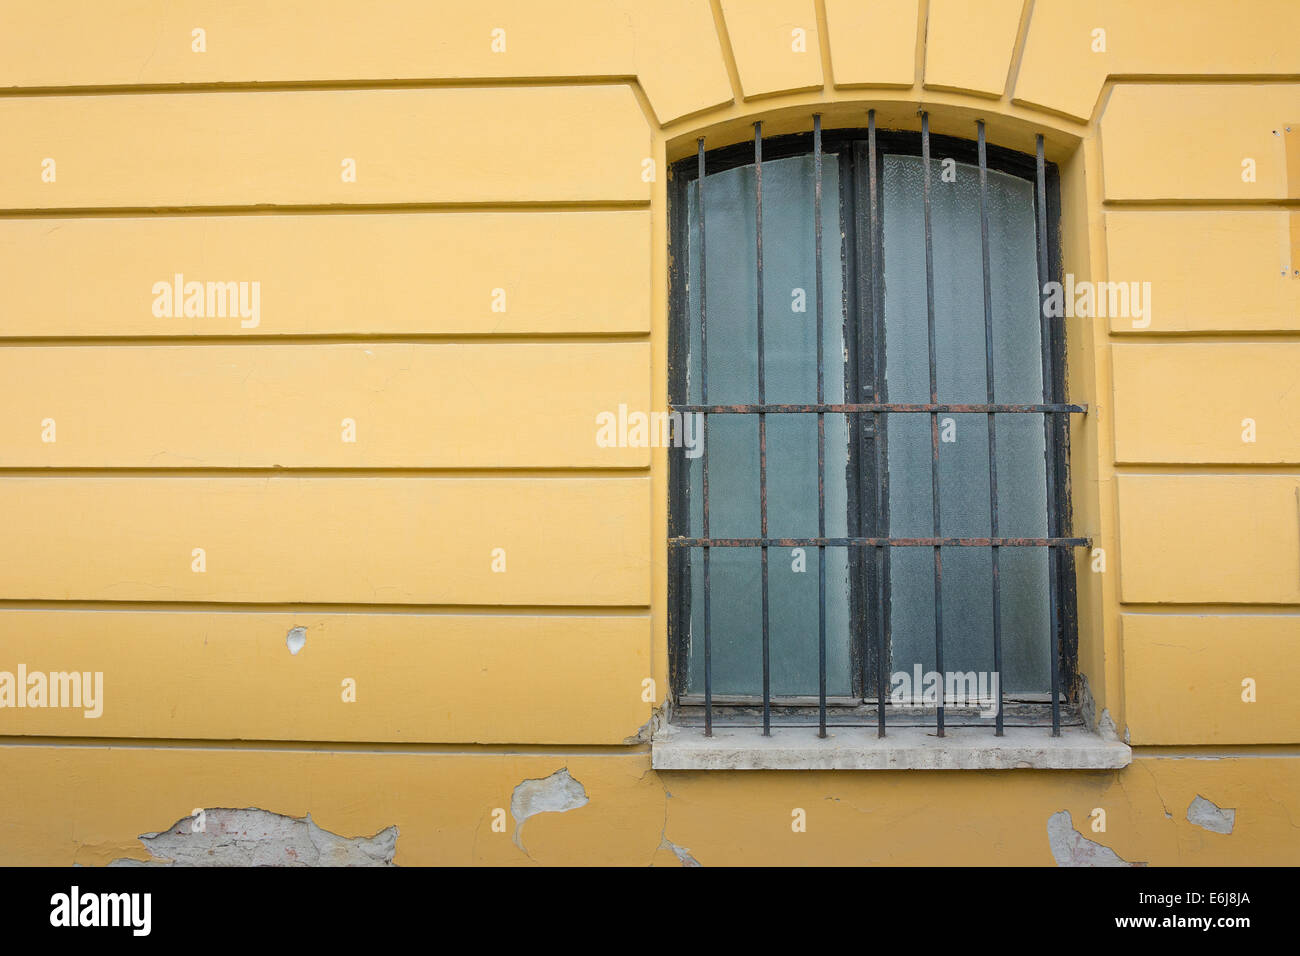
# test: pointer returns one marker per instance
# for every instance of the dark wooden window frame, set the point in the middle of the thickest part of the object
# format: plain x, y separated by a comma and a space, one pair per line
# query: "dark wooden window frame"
859, 307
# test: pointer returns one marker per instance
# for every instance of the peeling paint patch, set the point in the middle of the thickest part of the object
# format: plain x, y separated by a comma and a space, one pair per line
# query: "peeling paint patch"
1211, 817
646, 732
253, 837
557, 793
643, 734
681, 852
1106, 727
295, 639
1070, 848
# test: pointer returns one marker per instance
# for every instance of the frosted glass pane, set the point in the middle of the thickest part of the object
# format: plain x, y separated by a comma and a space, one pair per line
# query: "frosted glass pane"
963, 461
791, 375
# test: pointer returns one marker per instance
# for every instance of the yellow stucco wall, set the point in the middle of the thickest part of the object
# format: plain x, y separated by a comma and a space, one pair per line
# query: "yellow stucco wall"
535, 175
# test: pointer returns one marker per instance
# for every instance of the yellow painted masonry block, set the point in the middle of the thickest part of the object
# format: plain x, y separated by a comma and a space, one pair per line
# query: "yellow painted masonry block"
89, 804
1065, 63
1202, 403
249, 148
872, 44
442, 803
448, 273
1183, 678
969, 44
298, 406
775, 43
433, 678
1205, 539
391, 540
1209, 271
153, 41
678, 55
671, 45
1198, 141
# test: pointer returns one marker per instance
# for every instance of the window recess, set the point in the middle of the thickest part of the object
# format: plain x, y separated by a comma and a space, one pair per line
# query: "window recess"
883, 489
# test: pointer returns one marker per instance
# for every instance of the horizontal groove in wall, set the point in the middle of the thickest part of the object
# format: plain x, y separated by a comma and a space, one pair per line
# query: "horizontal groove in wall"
1180, 79
1190, 337
367, 338
254, 607
1216, 468
289, 86
1209, 752
1243, 610
272, 209
325, 746
325, 472
1204, 205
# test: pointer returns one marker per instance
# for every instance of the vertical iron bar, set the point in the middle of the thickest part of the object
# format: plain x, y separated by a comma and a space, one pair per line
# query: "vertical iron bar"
934, 417
877, 435
821, 433
762, 422
993, 435
1048, 431
704, 443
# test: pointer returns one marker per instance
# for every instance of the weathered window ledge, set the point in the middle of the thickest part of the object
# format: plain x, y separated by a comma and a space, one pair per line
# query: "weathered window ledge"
905, 748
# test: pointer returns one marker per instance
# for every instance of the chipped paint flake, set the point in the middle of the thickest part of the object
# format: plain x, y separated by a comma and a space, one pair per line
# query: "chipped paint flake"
681, 852
253, 837
1071, 848
1210, 816
296, 639
557, 793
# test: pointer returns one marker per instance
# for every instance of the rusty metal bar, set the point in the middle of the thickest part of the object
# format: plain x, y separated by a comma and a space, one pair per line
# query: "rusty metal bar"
880, 408
879, 391
1049, 454
704, 445
974, 408
934, 416
871, 542
762, 423
821, 431
992, 419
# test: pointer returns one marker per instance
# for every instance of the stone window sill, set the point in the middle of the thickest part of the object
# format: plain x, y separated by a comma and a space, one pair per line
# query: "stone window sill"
904, 748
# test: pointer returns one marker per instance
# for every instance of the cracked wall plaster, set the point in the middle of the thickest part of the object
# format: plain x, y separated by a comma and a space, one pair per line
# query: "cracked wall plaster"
1210, 816
1071, 848
557, 793
253, 837
682, 853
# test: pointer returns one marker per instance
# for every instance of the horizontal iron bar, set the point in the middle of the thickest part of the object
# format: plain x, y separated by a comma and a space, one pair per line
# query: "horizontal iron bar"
879, 542
974, 409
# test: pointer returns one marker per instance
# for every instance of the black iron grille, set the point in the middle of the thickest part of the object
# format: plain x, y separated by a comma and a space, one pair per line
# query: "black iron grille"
871, 548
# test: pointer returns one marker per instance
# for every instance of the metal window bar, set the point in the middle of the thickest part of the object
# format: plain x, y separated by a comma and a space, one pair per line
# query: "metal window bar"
1050, 408
704, 443
934, 416
821, 430
992, 420
879, 392
762, 423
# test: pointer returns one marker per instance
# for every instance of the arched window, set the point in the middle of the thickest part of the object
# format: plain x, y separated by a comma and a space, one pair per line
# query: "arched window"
882, 491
